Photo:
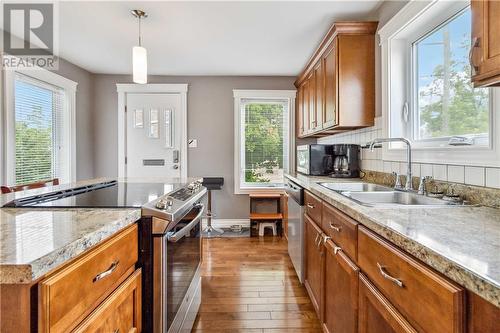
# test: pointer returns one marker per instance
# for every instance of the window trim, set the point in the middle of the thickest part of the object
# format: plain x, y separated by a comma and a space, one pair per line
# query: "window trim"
8, 123
414, 21
239, 95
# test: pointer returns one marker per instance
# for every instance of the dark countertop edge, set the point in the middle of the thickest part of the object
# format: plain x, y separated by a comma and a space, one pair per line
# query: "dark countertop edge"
476, 283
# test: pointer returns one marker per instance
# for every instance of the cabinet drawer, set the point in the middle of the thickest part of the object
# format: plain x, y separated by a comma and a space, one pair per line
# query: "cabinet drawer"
342, 229
120, 312
313, 207
429, 301
71, 294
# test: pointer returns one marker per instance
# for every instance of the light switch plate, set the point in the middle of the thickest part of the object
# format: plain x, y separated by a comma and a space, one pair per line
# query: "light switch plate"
192, 143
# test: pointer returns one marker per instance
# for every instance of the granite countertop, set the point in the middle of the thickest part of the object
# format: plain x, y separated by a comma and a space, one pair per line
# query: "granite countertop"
463, 243
35, 241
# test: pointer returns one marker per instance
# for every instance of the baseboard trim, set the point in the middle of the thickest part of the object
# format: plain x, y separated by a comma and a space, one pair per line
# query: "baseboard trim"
227, 223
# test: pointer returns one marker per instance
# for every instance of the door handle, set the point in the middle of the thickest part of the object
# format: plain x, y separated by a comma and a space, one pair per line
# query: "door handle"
175, 156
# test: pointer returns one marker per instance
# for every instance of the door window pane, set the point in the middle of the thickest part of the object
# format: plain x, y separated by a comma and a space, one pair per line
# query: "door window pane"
446, 103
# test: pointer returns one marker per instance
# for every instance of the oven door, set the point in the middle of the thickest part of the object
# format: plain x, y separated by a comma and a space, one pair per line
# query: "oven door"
179, 263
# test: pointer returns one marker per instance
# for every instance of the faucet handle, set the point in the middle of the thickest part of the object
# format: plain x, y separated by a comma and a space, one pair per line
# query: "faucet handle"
421, 187
397, 183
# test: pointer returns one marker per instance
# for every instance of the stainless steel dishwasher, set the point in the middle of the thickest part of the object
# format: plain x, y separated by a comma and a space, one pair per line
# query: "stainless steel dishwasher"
295, 195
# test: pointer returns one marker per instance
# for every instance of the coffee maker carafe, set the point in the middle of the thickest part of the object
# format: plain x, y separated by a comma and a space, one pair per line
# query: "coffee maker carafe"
346, 161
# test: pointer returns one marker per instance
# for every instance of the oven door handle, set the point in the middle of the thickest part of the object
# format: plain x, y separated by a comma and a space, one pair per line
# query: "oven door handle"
175, 237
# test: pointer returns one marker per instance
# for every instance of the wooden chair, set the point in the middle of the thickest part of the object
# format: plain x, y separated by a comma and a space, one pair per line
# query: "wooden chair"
30, 186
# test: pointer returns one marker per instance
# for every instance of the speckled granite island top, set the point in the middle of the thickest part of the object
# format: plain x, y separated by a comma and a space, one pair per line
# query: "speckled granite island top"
35, 241
463, 243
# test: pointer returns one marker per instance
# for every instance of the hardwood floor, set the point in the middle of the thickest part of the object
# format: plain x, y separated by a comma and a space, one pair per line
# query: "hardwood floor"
249, 285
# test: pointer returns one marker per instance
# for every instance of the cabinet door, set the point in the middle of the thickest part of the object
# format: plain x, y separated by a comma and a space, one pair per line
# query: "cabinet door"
312, 101
340, 291
120, 312
305, 106
485, 42
376, 314
318, 95
314, 254
330, 94
300, 112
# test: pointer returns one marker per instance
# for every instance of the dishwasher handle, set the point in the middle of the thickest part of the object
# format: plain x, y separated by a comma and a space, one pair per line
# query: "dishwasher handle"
176, 236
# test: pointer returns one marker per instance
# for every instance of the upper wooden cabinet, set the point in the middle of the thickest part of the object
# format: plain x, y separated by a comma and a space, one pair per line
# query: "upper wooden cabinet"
338, 83
485, 40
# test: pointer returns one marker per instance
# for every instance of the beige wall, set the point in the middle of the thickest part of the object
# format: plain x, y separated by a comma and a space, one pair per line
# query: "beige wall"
210, 121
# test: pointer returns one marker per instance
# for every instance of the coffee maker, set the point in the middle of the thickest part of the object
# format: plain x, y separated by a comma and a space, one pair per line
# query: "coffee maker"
346, 161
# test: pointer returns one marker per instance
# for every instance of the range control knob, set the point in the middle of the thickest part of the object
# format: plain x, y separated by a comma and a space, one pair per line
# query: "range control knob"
165, 203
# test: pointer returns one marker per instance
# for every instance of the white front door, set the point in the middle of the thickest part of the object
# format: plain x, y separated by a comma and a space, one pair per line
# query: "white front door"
153, 135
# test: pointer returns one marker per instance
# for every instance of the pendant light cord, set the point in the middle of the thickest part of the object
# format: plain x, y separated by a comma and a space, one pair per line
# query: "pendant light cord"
140, 39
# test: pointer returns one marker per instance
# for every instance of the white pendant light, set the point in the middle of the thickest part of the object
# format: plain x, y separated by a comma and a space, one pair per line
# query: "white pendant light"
140, 54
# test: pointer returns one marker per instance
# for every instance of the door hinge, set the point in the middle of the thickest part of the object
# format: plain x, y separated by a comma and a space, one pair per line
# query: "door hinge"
125, 109
125, 159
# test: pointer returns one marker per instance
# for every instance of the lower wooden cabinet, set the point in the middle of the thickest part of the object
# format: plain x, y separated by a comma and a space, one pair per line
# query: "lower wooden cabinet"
313, 277
120, 312
340, 292
376, 314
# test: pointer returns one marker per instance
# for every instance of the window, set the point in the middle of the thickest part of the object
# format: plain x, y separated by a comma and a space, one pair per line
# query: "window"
39, 127
427, 94
445, 102
263, 139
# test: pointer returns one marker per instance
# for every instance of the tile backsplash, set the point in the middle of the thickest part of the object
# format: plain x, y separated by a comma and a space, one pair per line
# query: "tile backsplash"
461, 174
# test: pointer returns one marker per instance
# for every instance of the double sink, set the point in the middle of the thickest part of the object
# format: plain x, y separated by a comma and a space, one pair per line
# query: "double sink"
373, 195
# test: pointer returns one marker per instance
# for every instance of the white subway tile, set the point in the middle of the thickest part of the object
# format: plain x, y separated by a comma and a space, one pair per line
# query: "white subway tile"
415, 169
439, 172
493, 177
426, 170
387, 167
474, 176
379, 165
456, 174
395, 167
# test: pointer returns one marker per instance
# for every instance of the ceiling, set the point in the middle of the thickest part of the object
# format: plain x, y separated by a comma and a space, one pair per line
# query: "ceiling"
201, 38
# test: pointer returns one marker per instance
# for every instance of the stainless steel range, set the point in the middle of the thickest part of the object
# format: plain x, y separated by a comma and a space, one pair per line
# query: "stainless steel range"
170, 232
169, 241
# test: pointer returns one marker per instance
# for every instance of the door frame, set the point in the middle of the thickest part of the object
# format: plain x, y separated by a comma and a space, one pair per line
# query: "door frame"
123, 90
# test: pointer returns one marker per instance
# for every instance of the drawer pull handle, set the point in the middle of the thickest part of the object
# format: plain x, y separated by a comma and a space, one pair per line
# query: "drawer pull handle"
107, 272
336, 249
116, 331
311, 206
382, 271
334, 227
316, 239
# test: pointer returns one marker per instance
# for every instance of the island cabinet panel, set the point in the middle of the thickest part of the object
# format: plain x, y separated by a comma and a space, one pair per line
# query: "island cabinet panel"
485, 43
482, 316
313, 275
428, 301
377, 314
69, 295
340, 80
340, 291
342, 229
120, 312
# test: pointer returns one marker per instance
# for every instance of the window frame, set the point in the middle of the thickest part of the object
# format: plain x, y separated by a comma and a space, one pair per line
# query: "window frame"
239, 97
412, 23
8, 122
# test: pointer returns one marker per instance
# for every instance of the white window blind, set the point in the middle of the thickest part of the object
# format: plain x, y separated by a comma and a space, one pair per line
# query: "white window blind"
264, 142
39, 132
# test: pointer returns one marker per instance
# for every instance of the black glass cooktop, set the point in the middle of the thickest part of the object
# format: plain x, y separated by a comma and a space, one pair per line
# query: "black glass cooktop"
103, 195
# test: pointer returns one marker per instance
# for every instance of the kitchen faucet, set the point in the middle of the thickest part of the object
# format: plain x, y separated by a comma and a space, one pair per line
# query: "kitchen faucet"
408, 185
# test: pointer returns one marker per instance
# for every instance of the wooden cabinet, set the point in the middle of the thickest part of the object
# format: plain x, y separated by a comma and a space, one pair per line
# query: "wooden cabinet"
120, 312
376, 314
342, 229
406, 282
313, 274
339, 81
313, 207
485, 43
340, 291
69, 295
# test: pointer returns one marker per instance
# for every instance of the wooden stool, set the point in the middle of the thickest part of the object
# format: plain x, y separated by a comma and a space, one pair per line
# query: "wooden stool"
270, 219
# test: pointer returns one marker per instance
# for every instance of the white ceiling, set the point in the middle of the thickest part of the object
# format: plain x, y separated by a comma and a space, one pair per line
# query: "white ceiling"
202, 38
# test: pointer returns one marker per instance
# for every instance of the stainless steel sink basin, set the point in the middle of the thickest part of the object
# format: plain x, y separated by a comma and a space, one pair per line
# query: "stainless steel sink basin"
355, 187
393, 198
